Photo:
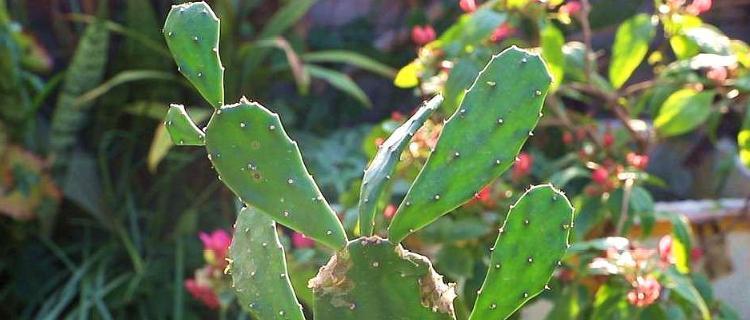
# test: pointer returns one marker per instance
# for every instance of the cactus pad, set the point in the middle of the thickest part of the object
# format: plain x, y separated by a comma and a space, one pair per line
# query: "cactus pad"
529, 247
480, 140
192, 34
258, 268
256, 159
181, 128
382, 166
374, 279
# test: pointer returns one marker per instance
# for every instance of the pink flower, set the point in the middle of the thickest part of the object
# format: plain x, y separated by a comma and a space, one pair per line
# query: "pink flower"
215, 247
600, 175
397, 116
717, 74
390, 211
699, 6
503, 31
637, 160
467, 5
522, 167
665, 250
422, 35
571, 8
301, 241
200, 288
645, 291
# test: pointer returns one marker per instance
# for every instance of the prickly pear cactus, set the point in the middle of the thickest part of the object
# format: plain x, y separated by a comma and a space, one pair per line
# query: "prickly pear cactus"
382, 166
376, 279
370, 277
192, 34
529, 247
256, 159
258, 267
480, 141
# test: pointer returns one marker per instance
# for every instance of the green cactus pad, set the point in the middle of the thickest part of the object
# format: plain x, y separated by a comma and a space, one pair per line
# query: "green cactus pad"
480, 141
529, 247
256, 159
374, 279
258, 269
192, 33
382, 166
181, 128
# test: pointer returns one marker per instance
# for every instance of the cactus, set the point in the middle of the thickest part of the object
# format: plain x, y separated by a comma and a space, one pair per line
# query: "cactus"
376, 279
181, 128
529, 247
382, 166
192, 33
480, 141
259, 273
371, 277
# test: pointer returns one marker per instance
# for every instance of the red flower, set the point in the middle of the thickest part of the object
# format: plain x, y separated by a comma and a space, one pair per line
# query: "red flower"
645, 291
571, 8
608, 140
637, 160
567, 137
600, 176
397, 116
389, 211
505, 30
523, 164
202, 293
696, 254
301, 241
699, 6
467, 5
422, 35
215, 246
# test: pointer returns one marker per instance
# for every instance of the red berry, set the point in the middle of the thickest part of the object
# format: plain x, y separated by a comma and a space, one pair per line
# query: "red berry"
608, 140
523, 164
567, 137
600, 176
467, 5
505, 30
571, 8
422, 35
389, 211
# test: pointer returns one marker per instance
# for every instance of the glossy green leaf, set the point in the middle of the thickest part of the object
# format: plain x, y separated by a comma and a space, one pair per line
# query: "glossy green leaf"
631, 45
341, 82
552, 41
684, 288
683, 111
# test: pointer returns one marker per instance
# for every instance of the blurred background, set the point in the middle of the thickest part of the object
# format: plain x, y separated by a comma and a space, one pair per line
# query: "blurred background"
647, 130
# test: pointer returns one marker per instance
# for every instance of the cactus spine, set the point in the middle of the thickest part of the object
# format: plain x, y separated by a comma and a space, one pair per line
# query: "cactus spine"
370, 277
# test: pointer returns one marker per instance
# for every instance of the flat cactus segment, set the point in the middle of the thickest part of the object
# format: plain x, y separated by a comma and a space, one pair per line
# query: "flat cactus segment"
529, 247
375, 279
256, 159
258, 269
382, 166
181, 128
192, 34
480, 141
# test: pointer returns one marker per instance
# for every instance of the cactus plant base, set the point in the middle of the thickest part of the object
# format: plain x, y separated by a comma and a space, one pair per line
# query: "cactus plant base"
374, 279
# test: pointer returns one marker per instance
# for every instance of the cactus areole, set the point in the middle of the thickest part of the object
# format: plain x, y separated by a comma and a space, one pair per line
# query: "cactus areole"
371, 277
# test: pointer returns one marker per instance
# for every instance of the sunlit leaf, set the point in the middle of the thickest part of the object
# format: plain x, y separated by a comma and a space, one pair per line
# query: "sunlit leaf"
552, 41
407, 77
631, 45
683, 111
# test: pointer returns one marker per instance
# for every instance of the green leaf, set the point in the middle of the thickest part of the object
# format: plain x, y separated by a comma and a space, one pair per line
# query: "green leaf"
340, 81
285, 18
461, 77
162, 143
123, 78
683, 287
455, 262
683, 111
610, 303
552, 41
352, 58
743, 140
469, 30
630, 47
